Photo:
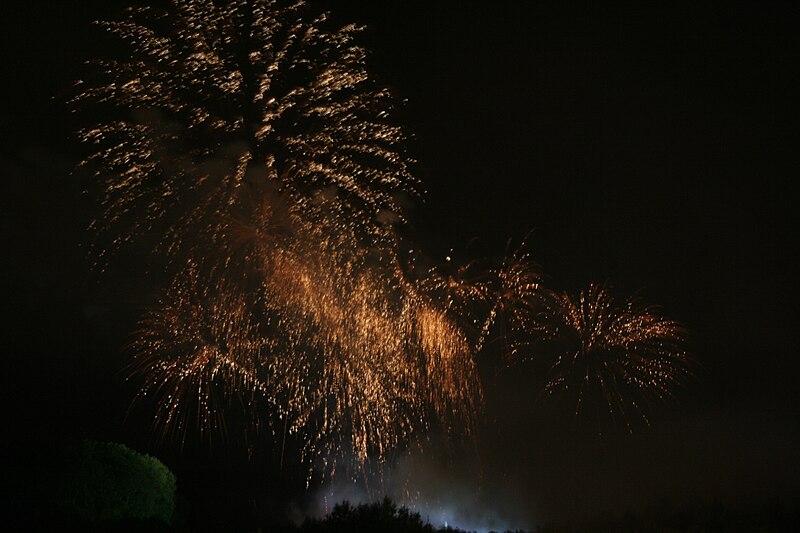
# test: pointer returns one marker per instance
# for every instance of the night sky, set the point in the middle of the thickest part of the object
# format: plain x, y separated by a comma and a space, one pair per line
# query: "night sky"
651, 146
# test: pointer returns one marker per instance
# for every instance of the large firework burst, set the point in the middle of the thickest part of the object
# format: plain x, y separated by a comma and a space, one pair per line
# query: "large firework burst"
220, 101
250, 141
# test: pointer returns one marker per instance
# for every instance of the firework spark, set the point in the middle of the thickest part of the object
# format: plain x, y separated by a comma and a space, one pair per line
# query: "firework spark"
519, 300
614, 358
219, 101
199, 350
251, 142
347, 353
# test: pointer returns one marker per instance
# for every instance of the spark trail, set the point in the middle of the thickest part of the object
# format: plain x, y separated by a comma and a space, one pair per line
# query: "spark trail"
249, 142
614, 360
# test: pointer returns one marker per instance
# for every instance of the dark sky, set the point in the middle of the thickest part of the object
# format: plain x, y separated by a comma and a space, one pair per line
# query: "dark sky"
650, 145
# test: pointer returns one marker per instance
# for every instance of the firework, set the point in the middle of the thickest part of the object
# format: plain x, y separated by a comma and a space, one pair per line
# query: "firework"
502, 304
250, 141
198, 351
350, 373
347, 354
518, 304
614, 358
221, 101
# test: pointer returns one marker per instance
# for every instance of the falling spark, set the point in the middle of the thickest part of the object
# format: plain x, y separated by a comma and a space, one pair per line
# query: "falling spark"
251, 142
220, 102
614, 359
198, 351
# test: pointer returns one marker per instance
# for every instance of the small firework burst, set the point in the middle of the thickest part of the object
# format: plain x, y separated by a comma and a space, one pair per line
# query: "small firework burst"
614, 360
519, 300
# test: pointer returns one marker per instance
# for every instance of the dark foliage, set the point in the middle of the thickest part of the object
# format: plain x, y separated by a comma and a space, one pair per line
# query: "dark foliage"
92, 486
383, 516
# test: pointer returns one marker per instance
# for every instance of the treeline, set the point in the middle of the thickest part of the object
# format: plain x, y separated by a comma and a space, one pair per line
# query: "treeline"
380, 517
386, 516
93, 486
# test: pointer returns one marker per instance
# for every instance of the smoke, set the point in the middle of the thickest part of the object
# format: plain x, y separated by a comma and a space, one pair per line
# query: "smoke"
545, 474
445, 494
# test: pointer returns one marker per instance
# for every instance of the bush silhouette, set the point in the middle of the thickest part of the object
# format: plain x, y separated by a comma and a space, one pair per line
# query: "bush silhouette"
108, 482
383, 516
